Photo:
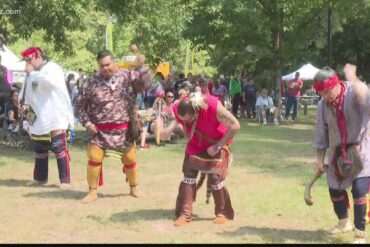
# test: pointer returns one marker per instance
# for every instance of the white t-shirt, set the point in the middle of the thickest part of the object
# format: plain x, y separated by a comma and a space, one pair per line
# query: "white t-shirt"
47, 93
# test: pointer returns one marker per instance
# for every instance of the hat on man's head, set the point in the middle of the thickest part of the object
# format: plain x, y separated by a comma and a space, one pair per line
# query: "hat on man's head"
31, 52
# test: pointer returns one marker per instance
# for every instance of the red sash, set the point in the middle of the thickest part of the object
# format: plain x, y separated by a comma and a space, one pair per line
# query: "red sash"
112, 126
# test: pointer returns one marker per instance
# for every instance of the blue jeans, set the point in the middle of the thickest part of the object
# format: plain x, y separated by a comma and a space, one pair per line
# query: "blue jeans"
291, 101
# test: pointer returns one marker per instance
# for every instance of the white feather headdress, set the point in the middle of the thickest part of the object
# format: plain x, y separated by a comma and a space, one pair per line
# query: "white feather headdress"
197, 101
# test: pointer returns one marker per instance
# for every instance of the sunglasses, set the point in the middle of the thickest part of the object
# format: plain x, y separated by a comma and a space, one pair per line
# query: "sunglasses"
169, 96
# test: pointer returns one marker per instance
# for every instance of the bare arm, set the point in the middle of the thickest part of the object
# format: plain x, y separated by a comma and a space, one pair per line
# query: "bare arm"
11, 116
361, 91
232, 124
359, 87
228, 119
166, 132
320, 166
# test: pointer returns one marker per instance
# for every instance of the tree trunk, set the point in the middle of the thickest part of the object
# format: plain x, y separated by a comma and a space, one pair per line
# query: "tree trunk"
277, 33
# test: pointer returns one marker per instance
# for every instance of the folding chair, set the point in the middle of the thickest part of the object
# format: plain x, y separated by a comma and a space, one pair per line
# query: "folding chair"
269, 115
14, 136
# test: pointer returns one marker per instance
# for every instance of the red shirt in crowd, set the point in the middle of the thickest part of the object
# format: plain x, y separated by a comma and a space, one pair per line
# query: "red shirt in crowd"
294, 87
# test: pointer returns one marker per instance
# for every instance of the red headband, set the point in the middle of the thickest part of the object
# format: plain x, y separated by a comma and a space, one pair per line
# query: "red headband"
328, 84
31, 52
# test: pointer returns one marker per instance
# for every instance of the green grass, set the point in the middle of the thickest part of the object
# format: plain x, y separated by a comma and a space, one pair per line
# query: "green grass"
266, 184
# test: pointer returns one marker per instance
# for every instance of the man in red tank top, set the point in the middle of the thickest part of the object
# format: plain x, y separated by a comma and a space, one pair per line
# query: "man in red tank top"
210, 128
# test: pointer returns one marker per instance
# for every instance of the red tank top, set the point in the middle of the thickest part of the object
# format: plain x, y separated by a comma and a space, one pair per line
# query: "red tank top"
207, 124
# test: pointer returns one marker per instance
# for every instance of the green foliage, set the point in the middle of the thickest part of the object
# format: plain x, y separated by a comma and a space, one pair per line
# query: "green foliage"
82, 58
55, 17
242, 32
224, 33
95, 21
80, 48
351, 41
264, 37
156, 25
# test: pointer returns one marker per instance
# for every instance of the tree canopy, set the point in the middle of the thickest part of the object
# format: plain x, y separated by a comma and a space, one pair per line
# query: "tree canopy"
264, 38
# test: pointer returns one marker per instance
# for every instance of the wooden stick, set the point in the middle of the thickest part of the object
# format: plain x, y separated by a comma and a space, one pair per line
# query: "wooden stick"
307, 193
159, 122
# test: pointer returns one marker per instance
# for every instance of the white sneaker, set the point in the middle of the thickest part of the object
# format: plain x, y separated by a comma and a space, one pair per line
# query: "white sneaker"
359, 237
276, 122
343, 226
65, 186
264, 121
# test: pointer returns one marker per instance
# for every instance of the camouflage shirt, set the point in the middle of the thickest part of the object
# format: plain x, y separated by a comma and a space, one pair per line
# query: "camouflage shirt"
103, 102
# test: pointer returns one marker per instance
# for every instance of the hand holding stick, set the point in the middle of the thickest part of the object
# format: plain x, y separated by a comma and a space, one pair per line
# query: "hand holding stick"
307, 193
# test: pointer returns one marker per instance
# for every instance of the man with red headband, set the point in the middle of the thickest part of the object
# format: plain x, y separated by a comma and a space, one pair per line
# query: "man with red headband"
46, 93
210, 128
105, 106
342, 127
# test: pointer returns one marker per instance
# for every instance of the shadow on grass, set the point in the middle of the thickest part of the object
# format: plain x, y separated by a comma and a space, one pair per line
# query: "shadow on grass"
150, 215
112, 196
143, 214
58, 194
197, 218
68, 194
22, 183
275, 235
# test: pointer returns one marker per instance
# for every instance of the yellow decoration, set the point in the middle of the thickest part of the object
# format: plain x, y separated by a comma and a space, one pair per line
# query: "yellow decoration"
164, 68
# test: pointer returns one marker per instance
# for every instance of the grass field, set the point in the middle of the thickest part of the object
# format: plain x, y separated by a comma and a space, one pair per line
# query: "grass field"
266, 183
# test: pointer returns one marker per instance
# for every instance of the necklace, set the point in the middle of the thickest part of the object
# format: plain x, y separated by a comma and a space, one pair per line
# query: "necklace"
110, 83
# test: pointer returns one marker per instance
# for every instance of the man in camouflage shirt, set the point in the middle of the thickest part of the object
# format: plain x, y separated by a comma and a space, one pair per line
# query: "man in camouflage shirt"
104, 107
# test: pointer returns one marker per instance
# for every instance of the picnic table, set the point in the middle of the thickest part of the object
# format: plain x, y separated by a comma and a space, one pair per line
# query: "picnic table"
306, 100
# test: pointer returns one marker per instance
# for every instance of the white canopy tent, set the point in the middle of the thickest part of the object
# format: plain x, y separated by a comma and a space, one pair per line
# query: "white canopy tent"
306, 72
10, 60
14, 65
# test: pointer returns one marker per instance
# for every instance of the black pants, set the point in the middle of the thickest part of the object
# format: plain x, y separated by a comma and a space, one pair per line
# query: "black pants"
250, 106
360, 188
4, 97
59, 147
235, 102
